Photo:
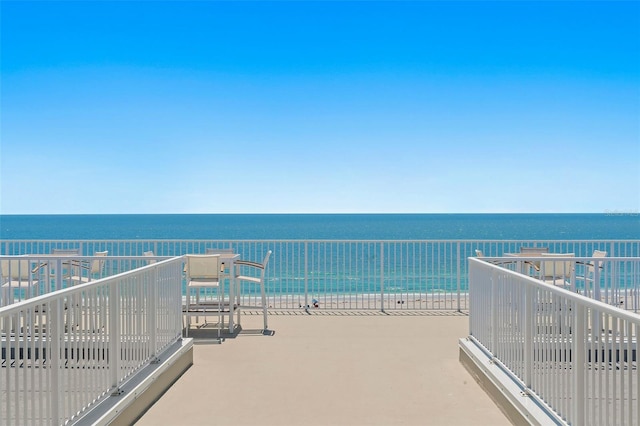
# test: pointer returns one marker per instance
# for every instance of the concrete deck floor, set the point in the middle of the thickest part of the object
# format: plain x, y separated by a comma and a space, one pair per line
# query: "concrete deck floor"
323, 368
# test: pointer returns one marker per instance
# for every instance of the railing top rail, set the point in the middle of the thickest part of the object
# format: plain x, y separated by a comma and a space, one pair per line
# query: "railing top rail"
552, 256
567, 294
15, 308
479, 240
38, 256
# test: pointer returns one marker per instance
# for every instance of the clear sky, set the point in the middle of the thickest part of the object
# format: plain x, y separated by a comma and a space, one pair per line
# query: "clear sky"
364, 107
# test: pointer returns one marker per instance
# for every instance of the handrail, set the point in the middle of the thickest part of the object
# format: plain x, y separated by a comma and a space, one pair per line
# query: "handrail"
81, 344
343, 274
562, 349
561, 292
70, 291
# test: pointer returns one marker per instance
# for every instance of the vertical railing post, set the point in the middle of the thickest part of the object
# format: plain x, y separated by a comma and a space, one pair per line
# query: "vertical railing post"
55, 357
114, 336
528, 324
494, 313
153, 314
382, 276
472, 314
176, 271
597, 291
459, 264
306, 276
578, 364
59, 277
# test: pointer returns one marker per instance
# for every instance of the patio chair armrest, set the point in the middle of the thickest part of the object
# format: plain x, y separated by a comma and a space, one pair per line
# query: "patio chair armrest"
83, 264
533, 265
39, 266
249, 263
600, 265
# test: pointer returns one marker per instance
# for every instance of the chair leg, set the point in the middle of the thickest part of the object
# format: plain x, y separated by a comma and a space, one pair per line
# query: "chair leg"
220, 297
264, 306
237, 306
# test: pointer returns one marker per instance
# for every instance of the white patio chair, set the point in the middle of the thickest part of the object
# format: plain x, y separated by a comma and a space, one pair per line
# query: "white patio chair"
149, 254
67, 266
589, 277
65, 252
534, 250
95, 270
559, 271
17, 275
203, 274
256, 278
533, 266
221, 251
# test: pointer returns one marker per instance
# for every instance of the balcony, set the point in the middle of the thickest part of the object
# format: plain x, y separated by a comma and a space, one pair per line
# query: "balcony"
330, 368
379, 348
565, 354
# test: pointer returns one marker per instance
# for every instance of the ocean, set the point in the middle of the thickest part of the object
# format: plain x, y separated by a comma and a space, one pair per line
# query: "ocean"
588, 226
416, 253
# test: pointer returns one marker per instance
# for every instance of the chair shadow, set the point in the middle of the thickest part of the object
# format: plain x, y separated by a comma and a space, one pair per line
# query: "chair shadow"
208, 333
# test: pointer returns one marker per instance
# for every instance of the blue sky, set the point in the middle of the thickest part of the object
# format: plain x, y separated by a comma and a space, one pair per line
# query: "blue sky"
319, 107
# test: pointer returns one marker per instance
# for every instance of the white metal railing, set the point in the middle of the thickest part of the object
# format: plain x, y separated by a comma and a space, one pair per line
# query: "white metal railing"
344, 274
27, 276
66, 351
573, 355
614, 281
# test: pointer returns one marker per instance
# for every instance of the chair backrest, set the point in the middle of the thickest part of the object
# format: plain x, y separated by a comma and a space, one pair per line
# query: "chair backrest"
264, 264
223, 267
15, 269
203, 266
98, 264
599, 253
557, 268
219, 251
64, 252
258, 266
266, 259
149, 254
590, 266
534, 250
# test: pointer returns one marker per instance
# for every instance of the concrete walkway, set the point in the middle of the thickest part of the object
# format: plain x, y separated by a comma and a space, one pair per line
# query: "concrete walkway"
319, 369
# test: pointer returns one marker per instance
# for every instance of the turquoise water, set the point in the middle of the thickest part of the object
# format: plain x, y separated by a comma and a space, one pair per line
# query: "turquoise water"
333, 267
323, 226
